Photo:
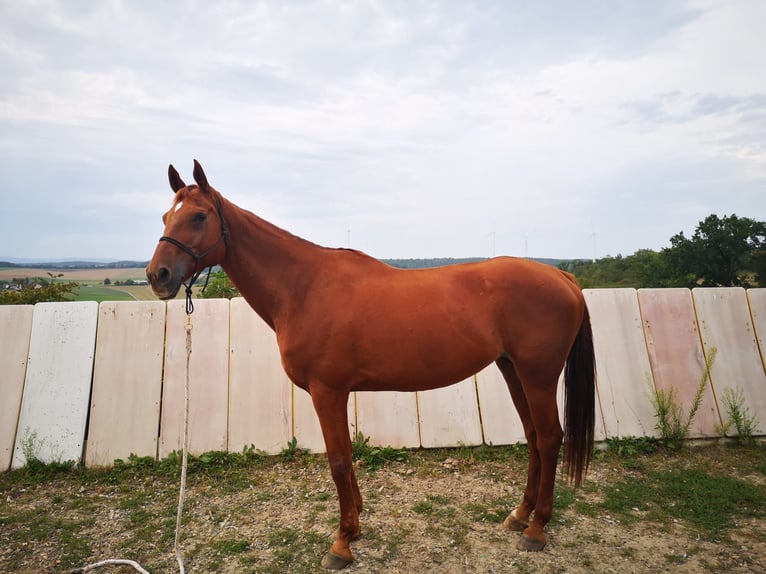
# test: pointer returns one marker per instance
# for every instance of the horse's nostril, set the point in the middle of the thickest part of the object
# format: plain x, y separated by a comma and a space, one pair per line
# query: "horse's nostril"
163, 274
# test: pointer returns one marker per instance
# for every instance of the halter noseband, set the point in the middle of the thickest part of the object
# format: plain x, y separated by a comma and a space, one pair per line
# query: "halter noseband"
197, 258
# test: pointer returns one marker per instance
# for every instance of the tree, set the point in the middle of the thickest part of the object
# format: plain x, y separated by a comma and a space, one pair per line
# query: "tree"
220, 286
722, 252
645, 268
651, 269
107, 281
39, 290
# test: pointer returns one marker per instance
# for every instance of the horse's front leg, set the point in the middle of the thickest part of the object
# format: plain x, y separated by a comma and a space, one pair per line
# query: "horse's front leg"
331, 408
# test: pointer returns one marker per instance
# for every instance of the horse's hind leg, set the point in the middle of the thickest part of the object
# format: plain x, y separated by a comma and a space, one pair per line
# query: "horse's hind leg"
518, 519
535, 400
330, 406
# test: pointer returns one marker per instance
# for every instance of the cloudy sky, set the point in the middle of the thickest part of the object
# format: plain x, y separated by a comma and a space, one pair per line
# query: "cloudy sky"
402, 128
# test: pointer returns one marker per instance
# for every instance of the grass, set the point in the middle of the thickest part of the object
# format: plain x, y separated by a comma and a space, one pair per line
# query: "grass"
706, 502
100, 293
92, 290
708, 490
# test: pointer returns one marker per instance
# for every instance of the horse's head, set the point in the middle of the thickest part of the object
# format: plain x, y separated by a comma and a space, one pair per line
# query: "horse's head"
194, 237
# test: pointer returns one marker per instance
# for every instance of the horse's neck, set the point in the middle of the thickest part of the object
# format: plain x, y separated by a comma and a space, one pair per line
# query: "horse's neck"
270, 267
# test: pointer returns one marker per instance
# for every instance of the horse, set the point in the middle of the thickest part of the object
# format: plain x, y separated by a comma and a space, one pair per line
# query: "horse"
347, 322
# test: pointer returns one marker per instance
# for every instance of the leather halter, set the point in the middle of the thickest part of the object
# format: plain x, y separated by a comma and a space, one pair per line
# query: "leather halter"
198, 257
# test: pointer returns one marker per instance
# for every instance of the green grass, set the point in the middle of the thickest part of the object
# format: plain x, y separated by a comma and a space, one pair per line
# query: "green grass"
100, 293
294, 550
37, 526
705, 501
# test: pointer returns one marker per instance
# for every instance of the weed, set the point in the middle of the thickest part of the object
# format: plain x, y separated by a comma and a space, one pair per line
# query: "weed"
374, 457
631, 447
675, 558
295, 551
227, 546
493, 513
627, 552
31, 445
563, 496
739, 416
672, 425
292, 451
434, 505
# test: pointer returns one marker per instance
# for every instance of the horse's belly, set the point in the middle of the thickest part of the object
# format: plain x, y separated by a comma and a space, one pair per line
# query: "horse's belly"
409, 372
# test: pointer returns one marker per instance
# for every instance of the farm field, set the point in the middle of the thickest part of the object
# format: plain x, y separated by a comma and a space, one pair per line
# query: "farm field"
641, 510
91, 282
101, 293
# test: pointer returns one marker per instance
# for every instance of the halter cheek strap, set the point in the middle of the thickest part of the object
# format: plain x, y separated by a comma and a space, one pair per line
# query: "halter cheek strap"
198, 257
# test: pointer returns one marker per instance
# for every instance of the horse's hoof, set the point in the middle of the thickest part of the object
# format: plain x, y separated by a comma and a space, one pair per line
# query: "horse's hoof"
514, 524
333, 561
530, 544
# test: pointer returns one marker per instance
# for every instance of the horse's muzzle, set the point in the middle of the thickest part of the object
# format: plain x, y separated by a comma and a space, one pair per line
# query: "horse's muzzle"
164, 282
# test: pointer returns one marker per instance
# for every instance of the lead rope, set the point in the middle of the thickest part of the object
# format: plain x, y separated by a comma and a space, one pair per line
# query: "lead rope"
184, 463
185, 448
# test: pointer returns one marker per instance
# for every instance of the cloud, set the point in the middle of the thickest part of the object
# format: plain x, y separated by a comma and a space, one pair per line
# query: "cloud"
425, 129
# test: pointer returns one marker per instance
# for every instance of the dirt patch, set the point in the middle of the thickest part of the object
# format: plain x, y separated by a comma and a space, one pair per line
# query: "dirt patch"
437, 512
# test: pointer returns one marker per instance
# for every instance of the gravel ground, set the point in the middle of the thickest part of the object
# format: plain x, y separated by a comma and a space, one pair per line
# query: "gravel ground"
436, 512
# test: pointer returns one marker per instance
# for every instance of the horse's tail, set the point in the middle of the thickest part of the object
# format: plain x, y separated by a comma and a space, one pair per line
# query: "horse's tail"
579, 403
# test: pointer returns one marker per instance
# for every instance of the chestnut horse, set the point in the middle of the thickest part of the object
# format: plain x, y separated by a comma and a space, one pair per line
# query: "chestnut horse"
347, 322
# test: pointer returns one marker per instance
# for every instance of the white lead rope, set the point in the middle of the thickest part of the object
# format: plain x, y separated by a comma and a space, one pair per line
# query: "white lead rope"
184, 450
181, 490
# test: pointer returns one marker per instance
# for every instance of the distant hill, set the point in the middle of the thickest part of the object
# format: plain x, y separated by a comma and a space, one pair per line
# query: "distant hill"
441, 261
70, 263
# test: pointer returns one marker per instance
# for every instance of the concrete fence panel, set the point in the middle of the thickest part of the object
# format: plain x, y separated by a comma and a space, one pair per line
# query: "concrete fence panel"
624, 374
54, 408
499, 420
260, 394
757, 302
726, 325
209, 377
389, 418
675, 354
450, 416
127, 381
15, 329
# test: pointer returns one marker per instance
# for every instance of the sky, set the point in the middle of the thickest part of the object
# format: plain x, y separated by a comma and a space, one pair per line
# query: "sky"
406, 129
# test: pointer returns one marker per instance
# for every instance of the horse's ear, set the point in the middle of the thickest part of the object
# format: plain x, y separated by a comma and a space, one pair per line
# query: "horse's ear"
176, 182
199, 177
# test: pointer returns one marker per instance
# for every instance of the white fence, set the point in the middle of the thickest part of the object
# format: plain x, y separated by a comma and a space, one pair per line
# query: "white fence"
103, 381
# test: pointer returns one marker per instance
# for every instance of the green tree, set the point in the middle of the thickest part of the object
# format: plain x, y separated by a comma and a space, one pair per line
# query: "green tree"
723, 252
651, 269
39, 290
645, 268
220, 287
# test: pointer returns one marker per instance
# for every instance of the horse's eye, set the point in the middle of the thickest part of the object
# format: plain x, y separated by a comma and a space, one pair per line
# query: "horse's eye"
200, 217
